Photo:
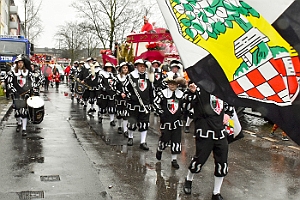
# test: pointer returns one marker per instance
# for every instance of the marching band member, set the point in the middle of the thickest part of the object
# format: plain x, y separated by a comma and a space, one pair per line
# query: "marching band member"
169, 104
158, 76
20, 82
83, 75
77, 73
122, 111
39, 79
72, 76
210, 116
106, 99
139, 93
176, 69
93, 82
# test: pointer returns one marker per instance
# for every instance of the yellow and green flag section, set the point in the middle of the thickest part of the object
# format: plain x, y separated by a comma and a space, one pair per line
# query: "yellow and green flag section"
257, 62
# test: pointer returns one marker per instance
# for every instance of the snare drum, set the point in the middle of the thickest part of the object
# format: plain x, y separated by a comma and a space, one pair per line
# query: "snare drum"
36, 109
79, 88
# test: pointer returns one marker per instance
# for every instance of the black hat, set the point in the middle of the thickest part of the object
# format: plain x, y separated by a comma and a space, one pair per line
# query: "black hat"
122, 65
90, 59
176, 63
156, 61
26, 61
144, 62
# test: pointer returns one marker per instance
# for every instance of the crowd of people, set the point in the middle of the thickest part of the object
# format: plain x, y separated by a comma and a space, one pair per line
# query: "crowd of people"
24, 79
130, 92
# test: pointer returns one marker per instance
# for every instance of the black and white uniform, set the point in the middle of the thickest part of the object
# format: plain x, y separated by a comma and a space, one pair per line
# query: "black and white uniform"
20, 84
106, 98
169, 105
210, 131
83, 75
158, 80
39, 80
138, 118
72, 78
76, 79
93, 81
121, 109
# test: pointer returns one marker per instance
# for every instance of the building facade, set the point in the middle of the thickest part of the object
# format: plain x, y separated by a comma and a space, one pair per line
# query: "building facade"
10, 23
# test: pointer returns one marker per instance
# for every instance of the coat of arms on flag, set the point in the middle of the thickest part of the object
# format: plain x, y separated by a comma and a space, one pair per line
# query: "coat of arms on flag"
142, 84
258, 62
173, 105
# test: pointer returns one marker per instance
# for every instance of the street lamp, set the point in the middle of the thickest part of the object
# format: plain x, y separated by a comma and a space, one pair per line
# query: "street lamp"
25, 28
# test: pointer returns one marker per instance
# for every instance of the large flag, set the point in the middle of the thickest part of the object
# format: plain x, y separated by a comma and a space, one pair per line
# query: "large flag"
234, 52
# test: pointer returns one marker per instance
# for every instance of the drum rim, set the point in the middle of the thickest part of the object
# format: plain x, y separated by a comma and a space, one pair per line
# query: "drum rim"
35, 106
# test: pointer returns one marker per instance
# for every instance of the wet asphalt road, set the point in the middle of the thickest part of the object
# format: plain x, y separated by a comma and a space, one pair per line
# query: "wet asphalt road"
93, 161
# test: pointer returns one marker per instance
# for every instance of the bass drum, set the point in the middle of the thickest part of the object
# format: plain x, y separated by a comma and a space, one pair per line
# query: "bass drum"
79, 88
36, 109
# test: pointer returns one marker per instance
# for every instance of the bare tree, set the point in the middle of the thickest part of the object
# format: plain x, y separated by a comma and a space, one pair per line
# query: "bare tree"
71, 38
32, 23
109, 20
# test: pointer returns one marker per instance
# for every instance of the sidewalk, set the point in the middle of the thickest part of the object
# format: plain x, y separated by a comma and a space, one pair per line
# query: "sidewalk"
5, 107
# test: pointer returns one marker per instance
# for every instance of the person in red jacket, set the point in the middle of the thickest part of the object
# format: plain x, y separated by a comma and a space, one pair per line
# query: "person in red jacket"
147, 27
56, 76
67, 73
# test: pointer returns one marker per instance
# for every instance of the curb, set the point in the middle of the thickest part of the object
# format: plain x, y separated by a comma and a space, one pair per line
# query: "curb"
5, 111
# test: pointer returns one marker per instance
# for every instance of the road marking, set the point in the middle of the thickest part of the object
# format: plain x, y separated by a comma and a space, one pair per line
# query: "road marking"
270, 139
251, 133
293, 147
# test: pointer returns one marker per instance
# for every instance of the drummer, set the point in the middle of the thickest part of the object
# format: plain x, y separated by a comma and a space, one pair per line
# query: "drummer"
20, 82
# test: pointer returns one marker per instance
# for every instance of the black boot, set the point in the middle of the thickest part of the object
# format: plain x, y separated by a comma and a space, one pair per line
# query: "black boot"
158, 154
175, 164
99, 117
120, 130
216, 197
144, 146
126, 134
187, 129
19, 127
112, 123
130, 142
24, 133
187, 187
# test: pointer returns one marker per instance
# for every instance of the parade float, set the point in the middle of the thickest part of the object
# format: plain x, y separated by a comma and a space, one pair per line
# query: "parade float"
155, 45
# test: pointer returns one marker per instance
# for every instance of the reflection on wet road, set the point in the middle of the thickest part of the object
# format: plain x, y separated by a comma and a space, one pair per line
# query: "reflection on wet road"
84, 153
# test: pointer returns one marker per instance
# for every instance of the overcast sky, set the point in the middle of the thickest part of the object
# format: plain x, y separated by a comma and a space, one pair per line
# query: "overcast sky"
53, 14
57, 12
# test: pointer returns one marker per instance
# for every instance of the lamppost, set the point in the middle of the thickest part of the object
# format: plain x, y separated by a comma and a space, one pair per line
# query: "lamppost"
25, 23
